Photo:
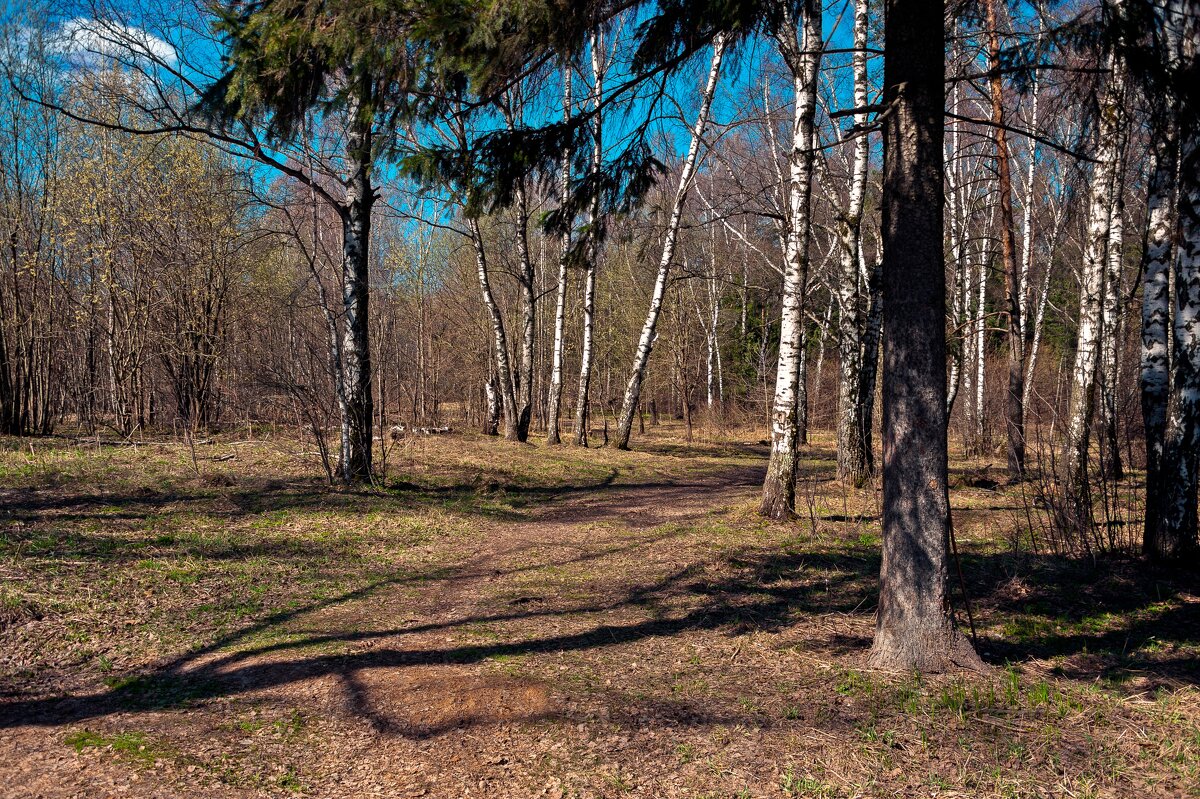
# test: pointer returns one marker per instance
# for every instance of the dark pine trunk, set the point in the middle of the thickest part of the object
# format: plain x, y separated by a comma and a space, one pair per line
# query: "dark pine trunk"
914, 627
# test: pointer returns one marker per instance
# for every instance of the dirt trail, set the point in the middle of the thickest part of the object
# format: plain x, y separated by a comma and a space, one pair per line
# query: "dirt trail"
400, 692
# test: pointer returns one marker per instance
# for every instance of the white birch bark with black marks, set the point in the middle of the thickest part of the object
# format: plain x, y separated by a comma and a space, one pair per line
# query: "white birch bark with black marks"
646, 340
804, 61
1155, 368
554, 400
583, 398
1109, 346
1175, 514
356, 234
499, 336
853, 461
1091, 289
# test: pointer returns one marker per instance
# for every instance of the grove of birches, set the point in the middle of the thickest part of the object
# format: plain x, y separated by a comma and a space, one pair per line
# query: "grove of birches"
912, 230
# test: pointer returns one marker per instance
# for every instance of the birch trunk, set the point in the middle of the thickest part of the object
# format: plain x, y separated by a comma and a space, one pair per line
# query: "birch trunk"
646, 341
804, 62
914, 629
356, 233
554, 401
523, 390
1109, 347
1175, 515
499, 337
1091, 290
1156, 324
582, 405
853, 460
1044, 294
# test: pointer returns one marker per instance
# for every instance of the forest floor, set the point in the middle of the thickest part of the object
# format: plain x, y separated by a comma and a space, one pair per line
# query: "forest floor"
500, 620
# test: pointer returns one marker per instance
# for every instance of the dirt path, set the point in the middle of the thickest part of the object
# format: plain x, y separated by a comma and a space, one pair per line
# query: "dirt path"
409, 691
553, 623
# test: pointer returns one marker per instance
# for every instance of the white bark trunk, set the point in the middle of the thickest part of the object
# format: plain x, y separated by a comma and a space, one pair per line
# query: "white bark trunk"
554, 401
646, 340
1091, 289
804, 61
852, 460
583, 397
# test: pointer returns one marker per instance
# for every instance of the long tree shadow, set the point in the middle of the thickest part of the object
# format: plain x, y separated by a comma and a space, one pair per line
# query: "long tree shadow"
756, 596
1097, 619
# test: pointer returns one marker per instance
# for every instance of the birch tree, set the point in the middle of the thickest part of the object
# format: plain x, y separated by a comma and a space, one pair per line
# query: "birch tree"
688, 170
1091, 290
583, 396
853, 441
803, 59
554, 400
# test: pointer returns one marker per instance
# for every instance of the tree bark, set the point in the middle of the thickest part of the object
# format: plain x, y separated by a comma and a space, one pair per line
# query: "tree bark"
646, 340
1110, 343
583, 399
1175, 514
804, 63
523, 391
914, 626
499, 337
854, 460
1091, 290
1155, 372
554, 401
356, 236
1014, 334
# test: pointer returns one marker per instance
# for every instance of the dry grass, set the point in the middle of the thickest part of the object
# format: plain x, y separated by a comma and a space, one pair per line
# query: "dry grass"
503, 620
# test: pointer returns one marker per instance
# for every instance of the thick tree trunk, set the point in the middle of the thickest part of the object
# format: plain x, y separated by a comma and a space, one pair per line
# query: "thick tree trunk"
914, 627
646, 341
853, 458
356, 236
804, 62
554, 401
1155, 372
1091, 290
1013, 288
1175, 514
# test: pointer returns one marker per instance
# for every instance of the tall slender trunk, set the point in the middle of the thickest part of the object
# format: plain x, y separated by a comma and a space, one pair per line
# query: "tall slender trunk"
1110, 342
1043, 295
646, 341
962, 273
554, 401
853, 460
804, 63
523, 391
914, 627
1013, 289
583, 400
1155, 372
1091, 290
356, 236
979, 348
870, 360
507, 396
